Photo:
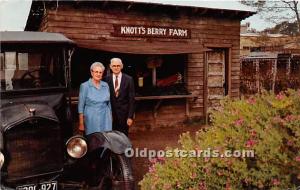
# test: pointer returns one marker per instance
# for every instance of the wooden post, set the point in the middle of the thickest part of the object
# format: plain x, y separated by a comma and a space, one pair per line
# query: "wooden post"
154, 76
257, 75
205, 88
187, 108
288, 68
274, 75
229, 73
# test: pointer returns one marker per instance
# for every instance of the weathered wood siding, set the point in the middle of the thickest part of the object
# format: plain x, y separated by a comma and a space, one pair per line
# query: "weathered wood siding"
89, 25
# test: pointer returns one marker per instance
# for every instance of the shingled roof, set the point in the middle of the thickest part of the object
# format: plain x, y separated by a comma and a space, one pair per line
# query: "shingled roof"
203, 8
211, 4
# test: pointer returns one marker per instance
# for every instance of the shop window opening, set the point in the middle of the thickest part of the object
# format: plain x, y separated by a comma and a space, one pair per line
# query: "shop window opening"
154, 75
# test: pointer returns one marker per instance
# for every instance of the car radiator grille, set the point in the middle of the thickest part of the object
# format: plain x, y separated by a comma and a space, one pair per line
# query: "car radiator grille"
33, 148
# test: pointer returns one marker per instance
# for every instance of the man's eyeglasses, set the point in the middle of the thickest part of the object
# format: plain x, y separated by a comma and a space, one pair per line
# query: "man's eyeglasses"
116, 65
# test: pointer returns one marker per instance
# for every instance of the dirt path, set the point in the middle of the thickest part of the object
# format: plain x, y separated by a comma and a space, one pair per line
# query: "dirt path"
156, 139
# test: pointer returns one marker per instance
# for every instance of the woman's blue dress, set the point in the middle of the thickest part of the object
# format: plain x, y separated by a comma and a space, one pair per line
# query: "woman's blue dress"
95, 106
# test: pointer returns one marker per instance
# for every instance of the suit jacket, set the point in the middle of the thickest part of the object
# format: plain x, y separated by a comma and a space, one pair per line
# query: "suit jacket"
123, 105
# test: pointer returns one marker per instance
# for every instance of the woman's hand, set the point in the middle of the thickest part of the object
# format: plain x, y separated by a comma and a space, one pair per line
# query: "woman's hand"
81, 127
81, 123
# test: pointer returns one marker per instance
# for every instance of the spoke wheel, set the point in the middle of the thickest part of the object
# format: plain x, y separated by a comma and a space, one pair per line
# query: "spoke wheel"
115, 173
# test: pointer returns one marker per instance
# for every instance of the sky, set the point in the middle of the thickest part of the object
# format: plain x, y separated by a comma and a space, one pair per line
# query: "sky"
14, 13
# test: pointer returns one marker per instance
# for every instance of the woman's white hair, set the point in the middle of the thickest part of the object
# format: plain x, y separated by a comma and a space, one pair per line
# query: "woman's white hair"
97, 64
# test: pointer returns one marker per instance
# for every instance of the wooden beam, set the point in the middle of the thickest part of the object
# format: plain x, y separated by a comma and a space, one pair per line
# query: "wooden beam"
164, 97
216, 45
139, 47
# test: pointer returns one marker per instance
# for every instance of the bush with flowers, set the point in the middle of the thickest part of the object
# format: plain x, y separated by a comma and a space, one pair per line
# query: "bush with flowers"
266, 124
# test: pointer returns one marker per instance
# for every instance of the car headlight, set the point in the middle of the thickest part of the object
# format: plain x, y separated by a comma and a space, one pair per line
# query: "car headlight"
76, 147
1, 160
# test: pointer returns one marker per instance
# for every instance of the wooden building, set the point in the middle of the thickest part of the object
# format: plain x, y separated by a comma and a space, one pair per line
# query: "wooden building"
253, 42
268, 62
270, 70
183, 55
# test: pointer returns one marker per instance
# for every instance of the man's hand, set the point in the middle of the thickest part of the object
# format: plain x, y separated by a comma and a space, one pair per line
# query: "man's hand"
129, 122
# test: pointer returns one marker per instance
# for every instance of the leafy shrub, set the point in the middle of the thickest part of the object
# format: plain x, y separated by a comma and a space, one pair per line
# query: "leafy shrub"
268, 124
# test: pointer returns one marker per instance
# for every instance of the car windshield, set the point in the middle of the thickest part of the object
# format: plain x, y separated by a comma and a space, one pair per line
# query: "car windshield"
31, 69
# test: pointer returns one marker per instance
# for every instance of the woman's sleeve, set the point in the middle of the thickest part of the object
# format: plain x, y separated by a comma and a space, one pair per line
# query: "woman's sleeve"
81, 98
109, 103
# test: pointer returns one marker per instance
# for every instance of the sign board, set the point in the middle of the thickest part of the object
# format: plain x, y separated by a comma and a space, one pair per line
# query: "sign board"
151, 31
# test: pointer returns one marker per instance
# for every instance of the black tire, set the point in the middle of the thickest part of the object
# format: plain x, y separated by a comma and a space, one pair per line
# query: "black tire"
115, 174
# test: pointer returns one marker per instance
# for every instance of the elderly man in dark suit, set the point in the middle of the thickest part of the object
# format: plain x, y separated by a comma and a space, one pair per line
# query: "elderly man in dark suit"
122, 94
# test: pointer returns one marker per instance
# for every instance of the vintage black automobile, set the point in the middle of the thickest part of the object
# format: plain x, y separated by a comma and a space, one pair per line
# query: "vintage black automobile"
38, 148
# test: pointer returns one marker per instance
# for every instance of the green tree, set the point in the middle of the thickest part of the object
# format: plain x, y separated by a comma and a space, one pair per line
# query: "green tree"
284, 28
277, 11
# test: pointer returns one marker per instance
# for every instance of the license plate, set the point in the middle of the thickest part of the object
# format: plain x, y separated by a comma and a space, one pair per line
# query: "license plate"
41, 186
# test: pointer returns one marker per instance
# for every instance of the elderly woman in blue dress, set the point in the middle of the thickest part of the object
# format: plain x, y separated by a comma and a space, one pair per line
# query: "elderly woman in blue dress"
94, 106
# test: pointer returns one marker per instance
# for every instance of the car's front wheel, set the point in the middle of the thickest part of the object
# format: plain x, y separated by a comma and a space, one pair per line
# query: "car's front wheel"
115, 172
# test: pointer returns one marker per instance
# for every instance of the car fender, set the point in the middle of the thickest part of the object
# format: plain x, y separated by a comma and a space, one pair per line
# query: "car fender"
116, 141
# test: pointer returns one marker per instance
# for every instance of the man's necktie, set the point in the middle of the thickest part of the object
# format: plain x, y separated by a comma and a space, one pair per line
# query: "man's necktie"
116, 86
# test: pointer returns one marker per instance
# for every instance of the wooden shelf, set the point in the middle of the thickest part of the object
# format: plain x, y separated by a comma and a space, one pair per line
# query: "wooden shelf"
164, 97
160, 99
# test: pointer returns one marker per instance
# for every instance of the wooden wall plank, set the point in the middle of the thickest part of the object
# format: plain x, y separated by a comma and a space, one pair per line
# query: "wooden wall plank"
94, 26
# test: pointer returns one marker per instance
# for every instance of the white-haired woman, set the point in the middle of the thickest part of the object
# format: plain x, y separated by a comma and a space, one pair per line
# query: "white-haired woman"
94, 106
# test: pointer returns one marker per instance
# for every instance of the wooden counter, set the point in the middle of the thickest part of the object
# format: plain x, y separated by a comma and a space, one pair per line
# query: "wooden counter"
159, 100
